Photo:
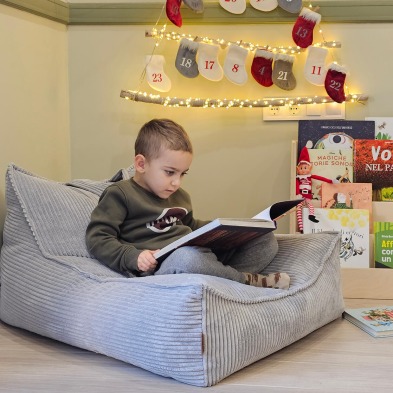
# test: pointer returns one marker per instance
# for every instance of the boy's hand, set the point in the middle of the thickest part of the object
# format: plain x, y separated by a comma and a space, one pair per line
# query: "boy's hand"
146, 261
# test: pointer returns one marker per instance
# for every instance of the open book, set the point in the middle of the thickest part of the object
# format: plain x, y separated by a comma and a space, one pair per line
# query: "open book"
227, 233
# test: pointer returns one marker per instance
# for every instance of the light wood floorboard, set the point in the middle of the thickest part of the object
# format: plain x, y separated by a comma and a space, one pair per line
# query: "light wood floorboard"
339, 357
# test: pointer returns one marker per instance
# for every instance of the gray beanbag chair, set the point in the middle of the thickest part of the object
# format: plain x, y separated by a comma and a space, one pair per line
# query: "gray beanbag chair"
193, 328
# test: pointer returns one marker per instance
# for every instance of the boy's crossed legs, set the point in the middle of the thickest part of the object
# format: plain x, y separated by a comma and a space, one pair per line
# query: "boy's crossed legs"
243, 265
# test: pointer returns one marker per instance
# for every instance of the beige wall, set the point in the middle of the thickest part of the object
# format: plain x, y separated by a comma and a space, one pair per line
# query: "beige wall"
241, 163
34, 126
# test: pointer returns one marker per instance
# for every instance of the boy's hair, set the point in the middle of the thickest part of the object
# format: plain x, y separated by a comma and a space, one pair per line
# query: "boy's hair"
158, 134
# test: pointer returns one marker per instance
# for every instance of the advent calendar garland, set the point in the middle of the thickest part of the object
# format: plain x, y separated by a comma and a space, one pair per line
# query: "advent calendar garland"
270, 66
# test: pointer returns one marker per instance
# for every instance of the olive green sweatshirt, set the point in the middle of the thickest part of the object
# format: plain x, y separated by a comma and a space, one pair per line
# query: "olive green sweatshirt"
129, 219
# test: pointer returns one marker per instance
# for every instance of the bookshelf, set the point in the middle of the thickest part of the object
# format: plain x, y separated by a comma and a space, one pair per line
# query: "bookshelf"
357, 283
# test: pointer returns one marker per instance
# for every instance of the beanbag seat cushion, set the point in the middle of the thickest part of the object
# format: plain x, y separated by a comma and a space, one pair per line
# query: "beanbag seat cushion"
193, 328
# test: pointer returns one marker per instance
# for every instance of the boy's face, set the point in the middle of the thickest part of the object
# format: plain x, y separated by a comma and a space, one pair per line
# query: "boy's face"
162, 175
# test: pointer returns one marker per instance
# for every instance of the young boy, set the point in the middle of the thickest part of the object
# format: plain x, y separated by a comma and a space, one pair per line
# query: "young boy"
134, 218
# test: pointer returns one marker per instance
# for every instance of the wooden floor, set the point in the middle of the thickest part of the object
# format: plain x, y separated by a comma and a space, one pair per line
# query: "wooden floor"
336, 358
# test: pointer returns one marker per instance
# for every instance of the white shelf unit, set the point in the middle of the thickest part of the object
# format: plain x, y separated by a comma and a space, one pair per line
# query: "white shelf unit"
372, 283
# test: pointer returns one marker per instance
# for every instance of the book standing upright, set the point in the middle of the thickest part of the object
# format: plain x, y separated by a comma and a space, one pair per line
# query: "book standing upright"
383, 244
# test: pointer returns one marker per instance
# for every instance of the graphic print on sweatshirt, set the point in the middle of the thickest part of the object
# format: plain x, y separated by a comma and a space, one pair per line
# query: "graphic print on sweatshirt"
167, 219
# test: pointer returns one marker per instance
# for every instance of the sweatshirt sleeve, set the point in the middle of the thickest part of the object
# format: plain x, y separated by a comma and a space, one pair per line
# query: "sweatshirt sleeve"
103, 232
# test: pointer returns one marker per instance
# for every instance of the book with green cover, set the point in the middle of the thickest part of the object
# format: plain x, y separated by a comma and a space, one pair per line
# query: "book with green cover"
383, 244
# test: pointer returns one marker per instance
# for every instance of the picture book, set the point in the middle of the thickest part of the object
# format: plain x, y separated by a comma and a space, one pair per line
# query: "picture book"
353, 224
383, 244
333, 164
227, 233
333, 134
383, 127
376, 321
347, 196
373, 163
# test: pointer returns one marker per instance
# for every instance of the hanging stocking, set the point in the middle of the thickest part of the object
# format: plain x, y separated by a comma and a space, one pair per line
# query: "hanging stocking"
234, 6
185, 61
335, 82
234, 65
195, 5
315, 69
262, 67
292, 6
208, 64
282, 72
155, 74
173, 12
264, 5
302, 32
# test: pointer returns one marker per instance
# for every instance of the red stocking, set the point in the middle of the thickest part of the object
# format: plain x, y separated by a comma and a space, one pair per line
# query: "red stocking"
302, 32
262, 67
335, 82
173, 12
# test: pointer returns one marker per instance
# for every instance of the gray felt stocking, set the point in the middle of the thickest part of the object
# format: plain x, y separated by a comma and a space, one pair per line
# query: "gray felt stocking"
195, 5
282, 72
185, 61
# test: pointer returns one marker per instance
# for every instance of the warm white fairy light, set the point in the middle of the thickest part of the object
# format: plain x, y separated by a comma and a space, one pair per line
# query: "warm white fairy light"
189, 102
158, 35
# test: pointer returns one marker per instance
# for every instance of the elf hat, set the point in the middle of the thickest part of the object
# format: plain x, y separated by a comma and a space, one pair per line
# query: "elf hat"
304, 157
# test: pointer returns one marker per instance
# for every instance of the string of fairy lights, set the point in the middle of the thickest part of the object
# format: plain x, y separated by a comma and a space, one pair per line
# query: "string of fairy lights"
161, 34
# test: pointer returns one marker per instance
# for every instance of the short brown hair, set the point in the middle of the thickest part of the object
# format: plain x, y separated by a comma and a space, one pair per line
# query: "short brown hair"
158, 134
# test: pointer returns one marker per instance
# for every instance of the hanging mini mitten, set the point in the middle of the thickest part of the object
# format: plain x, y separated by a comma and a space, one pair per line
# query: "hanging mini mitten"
173, 12
262, 67
282, 72
264, 5
195, 5
292, 6
302, 32
234, 6
155, 74
315, 69
208, 64
234, 64
335, 82
185, 61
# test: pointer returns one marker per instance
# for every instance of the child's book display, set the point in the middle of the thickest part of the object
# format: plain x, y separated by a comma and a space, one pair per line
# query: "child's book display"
373, 163
227, 233
376, 321
333, 164
353, 224
328, 134
383, 244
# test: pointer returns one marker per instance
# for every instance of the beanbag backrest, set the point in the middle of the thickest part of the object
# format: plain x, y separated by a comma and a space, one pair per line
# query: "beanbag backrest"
57, 213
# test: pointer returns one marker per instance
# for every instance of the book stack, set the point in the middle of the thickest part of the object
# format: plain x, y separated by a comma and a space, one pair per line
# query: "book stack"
357, 156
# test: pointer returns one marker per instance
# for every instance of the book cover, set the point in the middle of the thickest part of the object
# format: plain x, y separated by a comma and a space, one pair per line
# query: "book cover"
383, 127
353, 224
383, 244
333, 134
226, 233
373, 163
333, 164
347, 196
376, 321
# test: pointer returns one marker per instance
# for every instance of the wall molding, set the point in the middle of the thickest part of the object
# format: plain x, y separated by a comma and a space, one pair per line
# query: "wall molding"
141, 13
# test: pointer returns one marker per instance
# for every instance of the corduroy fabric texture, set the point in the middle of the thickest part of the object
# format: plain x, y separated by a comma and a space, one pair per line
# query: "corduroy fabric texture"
193, 328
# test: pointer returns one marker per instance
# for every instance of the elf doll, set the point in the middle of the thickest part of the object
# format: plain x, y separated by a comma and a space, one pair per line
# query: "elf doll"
303, 186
